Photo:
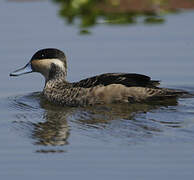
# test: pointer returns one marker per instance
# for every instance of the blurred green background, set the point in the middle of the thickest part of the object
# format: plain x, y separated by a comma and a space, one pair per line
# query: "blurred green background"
87, 13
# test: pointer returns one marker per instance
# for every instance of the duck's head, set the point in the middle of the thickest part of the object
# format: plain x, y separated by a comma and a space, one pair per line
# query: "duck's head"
49, 62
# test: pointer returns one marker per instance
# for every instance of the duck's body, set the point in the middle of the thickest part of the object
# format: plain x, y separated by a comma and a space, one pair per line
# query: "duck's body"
102, 89
123, 88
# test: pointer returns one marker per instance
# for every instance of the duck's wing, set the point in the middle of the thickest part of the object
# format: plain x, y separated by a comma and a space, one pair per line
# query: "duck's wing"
127, 79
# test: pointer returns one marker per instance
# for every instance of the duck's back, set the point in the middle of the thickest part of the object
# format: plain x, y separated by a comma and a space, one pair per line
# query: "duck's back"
126, 79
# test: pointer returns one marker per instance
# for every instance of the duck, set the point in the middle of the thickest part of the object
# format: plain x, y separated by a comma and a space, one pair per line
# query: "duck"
101, 89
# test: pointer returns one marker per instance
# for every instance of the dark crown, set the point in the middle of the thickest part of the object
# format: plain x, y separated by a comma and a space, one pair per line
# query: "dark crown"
49, 53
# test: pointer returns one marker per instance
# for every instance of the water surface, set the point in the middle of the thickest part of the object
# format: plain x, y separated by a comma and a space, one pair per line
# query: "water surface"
141, 141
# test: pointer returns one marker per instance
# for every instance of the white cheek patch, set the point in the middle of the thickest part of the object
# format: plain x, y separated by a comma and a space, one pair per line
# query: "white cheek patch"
46, 64
43, 65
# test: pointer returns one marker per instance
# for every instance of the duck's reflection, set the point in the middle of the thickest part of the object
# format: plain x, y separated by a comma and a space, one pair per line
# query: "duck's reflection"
48, 124
45, 124
54, 131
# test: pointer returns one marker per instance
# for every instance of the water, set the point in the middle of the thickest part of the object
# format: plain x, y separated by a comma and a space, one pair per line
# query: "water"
39, 140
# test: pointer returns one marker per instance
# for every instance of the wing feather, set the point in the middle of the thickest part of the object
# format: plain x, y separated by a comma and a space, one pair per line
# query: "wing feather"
127, 79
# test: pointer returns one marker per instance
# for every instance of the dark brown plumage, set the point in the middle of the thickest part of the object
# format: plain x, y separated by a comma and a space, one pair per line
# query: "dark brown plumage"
126, 79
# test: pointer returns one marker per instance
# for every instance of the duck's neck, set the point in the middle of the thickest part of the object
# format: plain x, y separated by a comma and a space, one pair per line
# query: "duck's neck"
56, 74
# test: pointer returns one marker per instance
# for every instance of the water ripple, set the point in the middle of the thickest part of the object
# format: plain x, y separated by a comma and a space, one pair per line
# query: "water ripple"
49, 125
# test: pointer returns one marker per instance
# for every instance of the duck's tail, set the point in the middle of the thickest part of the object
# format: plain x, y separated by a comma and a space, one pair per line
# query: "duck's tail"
165, 93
